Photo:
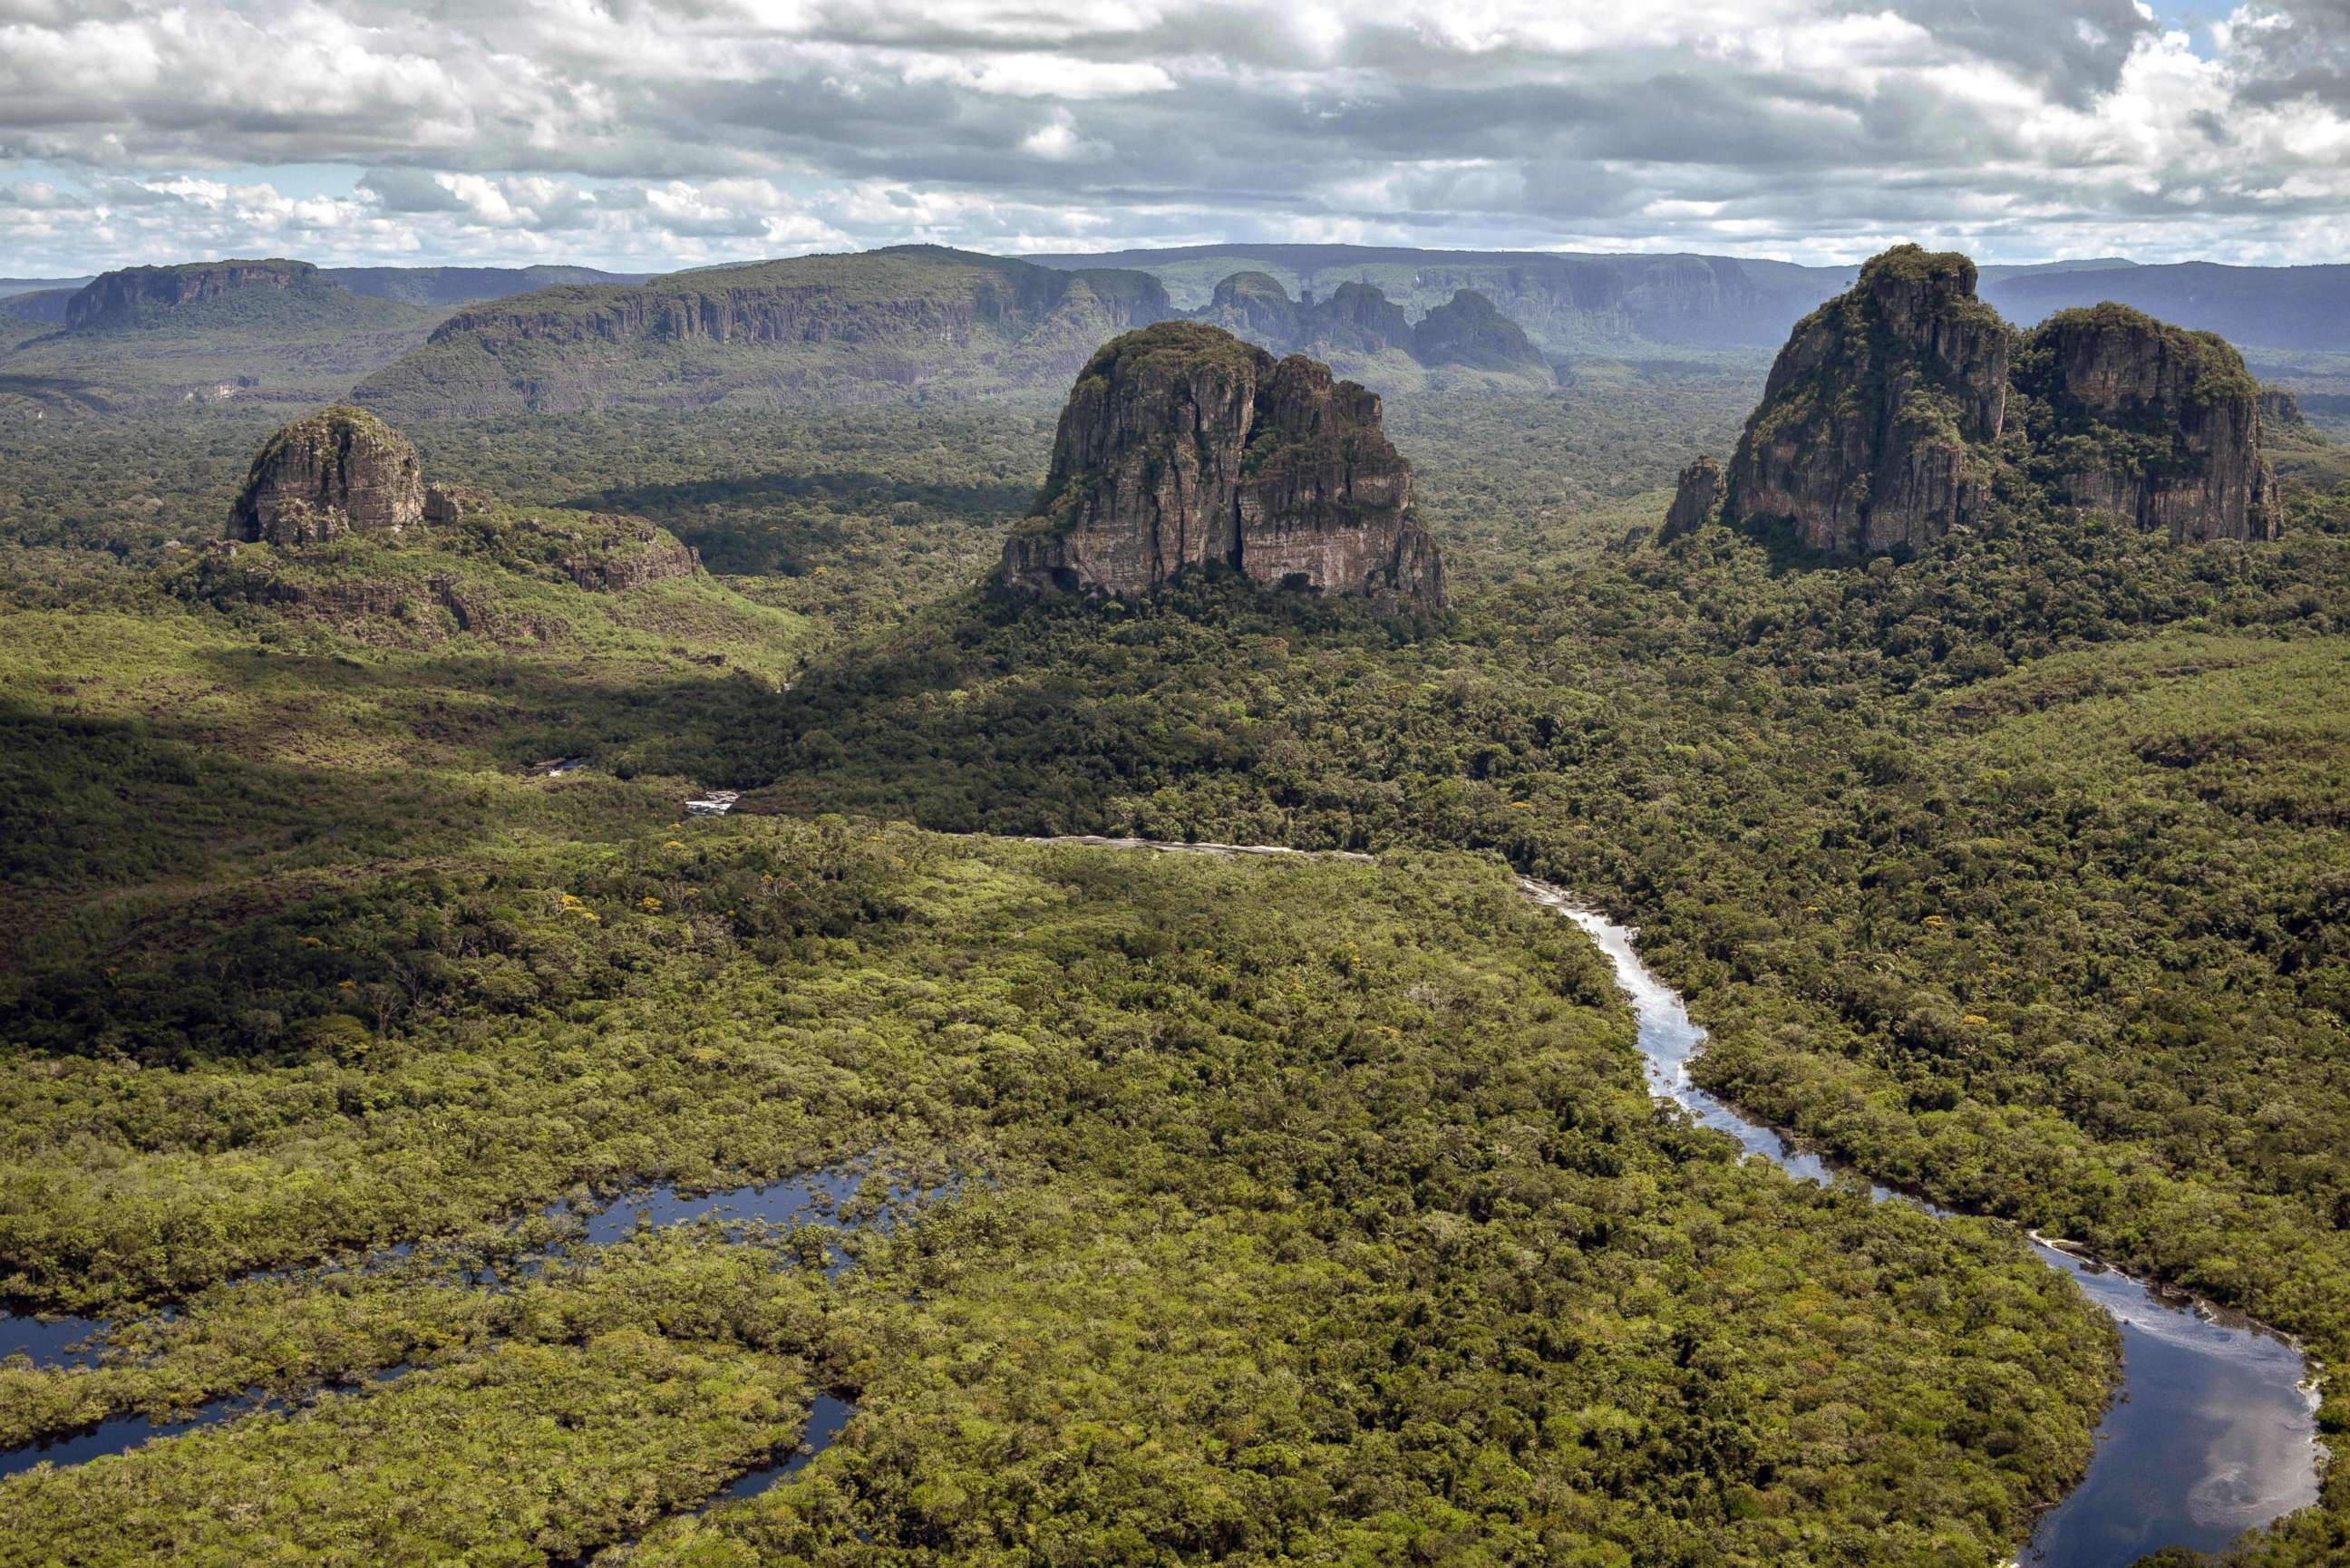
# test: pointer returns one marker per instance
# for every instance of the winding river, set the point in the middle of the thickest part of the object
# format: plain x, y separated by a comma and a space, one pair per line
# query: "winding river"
2214, 1428
2211, 1433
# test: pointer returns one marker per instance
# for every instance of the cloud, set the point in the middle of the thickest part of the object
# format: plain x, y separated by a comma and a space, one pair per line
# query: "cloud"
2295, 49
659, 132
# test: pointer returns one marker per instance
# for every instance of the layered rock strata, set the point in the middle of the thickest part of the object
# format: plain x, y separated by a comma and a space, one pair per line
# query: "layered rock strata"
1183, 447
339, 471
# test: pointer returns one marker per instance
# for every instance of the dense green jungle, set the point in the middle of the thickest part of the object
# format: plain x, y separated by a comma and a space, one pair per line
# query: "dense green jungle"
1264, 1210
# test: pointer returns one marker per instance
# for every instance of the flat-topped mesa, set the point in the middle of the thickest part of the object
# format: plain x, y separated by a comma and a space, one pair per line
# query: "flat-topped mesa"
136, 294
1870, 433
339, 471
2151, 421
1181, 446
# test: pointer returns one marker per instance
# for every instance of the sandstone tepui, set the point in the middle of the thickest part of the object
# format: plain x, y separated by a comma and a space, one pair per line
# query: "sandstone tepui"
1181, 446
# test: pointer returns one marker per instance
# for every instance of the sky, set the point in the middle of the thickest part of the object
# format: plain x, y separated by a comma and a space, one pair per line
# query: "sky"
650, 134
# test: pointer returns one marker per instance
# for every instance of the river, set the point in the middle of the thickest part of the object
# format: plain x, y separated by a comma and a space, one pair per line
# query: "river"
2213, 1431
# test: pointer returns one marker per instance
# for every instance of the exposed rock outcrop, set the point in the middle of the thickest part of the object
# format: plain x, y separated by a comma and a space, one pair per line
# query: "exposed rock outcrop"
1357, 318
1467, 330
1254, 304
1870, 433
1895, 406
1698, 500
137, 294
643, 553
447, 503
2280, 406
339, 471
2149, 420
1182, 447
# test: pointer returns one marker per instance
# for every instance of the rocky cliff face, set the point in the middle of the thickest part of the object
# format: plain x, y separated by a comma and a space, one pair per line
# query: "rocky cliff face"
340, 471
1182, 447
137, 294
1697, 501
1254, 304
2155, 424
1871, 430
1882, 425
875, 323
1467, 330
1357, 318
2280, 406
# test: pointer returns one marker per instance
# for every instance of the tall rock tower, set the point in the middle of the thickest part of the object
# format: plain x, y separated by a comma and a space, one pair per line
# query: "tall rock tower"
2151, 421
1181, 446
1895, 406
339, 471
1869, 433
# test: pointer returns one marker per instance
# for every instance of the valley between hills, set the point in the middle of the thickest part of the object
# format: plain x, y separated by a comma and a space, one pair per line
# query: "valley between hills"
488, 757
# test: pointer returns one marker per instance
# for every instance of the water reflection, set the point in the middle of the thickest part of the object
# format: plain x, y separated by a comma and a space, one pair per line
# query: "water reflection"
828, 1198
2212, 1431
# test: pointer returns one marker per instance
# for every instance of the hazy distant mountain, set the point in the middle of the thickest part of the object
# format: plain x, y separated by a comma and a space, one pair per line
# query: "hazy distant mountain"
2277, 307
1568, 303
1995, 271
1367, 336
267, 330
41, 305
9, 286
466, 284
886, 324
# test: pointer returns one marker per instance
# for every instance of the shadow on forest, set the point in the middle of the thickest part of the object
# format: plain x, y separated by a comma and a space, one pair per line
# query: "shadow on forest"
322, 760
990, 498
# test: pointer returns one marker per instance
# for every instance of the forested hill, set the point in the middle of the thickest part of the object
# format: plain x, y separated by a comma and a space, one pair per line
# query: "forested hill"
882, 324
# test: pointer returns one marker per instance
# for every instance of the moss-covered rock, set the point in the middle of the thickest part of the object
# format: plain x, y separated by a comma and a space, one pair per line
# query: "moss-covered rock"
2148, 420
338, 471
1183, 447
1872, 430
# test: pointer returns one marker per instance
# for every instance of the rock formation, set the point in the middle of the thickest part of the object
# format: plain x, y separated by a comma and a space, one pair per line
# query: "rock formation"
1870, 431
1467, 330
2280, 406
340, 471
2149, 420
1881, 426
1357, 318
1254, 304
1359, 321
447, 503
1698, 500
136, 294
1181, 446
641, 554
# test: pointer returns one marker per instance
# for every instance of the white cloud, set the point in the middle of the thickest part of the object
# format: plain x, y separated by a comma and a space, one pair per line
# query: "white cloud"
1061, 77
653, 133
